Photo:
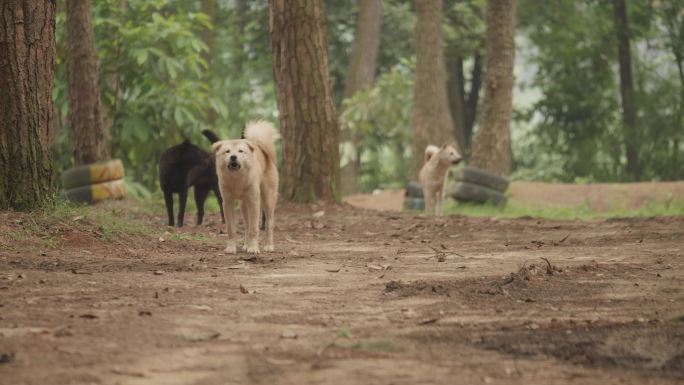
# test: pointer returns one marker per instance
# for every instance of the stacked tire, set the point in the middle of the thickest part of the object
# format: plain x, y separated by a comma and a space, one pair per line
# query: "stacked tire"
413, 197
95, 182
475, 185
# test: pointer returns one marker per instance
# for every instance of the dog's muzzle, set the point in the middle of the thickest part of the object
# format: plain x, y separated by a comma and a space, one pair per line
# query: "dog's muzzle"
234, 166
457, 161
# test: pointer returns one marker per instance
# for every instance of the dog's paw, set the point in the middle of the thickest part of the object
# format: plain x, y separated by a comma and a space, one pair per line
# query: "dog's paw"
231, 249
252, 250
268, 248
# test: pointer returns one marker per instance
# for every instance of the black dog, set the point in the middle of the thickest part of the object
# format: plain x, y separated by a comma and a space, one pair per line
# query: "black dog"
184, 166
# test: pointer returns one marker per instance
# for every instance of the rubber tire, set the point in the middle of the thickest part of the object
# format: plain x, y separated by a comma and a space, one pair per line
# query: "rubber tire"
98, 192
92, 174
414, 203
469, 192
414, 190
480, 177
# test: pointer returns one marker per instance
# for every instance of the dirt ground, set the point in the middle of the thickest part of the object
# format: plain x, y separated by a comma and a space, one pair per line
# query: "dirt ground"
595, 196
351, 296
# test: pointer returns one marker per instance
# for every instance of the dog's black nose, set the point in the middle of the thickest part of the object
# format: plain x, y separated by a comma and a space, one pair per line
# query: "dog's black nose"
233, 158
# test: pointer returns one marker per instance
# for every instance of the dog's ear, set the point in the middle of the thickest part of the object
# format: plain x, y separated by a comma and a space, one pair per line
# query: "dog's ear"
215, 147
251, 145
444, 146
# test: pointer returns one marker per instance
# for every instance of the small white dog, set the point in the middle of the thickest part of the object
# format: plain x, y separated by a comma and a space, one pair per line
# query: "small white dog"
247, 172
433, 175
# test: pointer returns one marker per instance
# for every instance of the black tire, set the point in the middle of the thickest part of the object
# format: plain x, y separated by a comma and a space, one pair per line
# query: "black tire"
469, 192
92, 174
413, 189
115, 189
480, 177
413, 203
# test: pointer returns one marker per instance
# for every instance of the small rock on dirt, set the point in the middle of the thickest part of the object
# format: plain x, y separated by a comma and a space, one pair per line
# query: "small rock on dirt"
6, 358
243, 290
333, 269
158, 272
289, 335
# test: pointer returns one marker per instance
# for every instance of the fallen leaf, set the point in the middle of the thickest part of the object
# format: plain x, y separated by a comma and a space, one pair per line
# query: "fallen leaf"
243, 290
88, 316
318, 214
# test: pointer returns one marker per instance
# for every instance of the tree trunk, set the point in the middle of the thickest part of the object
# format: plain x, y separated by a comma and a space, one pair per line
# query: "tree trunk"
27, 60
464, 107
308, 121
492, 144
432, 122
472, 102
629, 113
364, 57
88, 135
457, 98
207, 8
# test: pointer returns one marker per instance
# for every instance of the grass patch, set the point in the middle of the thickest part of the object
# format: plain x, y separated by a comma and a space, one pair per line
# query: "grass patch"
109, 222
514, 209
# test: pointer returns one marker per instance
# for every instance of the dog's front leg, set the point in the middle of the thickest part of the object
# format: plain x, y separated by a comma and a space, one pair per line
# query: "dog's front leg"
439, 210
229, 213
253, 214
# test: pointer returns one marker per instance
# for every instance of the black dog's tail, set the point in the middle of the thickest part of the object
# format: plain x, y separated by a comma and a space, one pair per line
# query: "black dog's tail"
213, 138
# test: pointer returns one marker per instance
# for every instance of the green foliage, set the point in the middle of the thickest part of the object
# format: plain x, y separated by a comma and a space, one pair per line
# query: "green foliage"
382, 114
576, 128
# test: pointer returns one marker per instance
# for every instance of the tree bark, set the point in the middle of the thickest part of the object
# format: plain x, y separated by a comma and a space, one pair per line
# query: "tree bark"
629, 113
432, 123
27, 60
464, 107
457, 98
207, 8
364, 58
89, 137
308, 121
492, 144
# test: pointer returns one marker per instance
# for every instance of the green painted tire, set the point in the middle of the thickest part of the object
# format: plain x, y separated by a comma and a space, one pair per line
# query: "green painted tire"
92, 174
476, 176
413, 203
413, 189
469, 192
97, 192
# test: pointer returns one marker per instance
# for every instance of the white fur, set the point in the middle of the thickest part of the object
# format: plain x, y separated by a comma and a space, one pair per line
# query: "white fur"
433, 175
251, 178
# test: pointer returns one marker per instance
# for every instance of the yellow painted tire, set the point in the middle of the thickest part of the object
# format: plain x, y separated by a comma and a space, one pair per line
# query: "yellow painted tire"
97, 192
92, 174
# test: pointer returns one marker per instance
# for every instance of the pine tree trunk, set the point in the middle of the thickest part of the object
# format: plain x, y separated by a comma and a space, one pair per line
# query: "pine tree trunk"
432, 123
27, 60
629, 113
308, 121
464, 107
457, 98
207, 7
492, 144
89, 139
364, 57
472, 102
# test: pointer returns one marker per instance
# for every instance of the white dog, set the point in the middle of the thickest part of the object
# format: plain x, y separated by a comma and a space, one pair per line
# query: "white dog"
433, 175
247, 172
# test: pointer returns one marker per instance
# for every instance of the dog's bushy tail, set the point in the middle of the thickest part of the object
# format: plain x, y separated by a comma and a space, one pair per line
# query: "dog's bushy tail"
264, 133
213, 138
430, 151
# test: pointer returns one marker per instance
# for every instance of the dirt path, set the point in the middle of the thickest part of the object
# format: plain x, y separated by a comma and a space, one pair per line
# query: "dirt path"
351, 297
596, 196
